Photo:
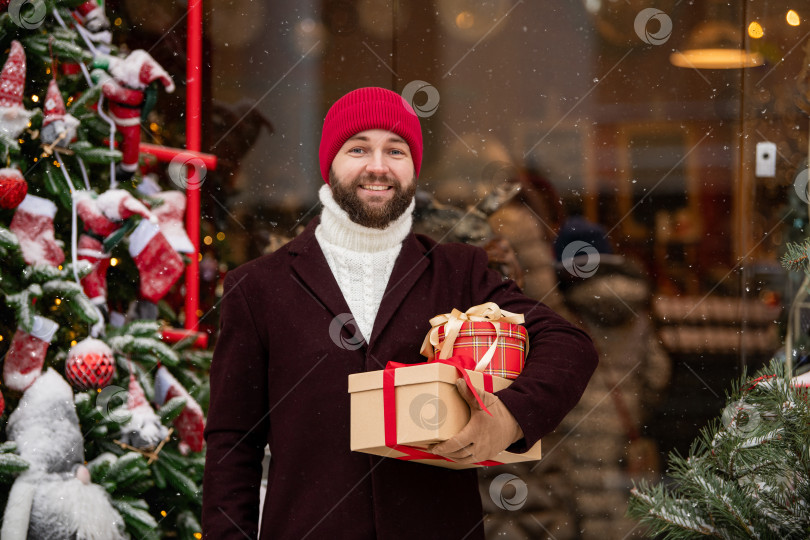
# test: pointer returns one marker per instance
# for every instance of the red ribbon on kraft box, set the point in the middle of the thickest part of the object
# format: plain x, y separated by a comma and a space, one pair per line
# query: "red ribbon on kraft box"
461, 363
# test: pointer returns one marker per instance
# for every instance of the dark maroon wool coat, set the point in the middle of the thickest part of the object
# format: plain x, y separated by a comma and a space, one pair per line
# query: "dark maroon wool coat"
278, 378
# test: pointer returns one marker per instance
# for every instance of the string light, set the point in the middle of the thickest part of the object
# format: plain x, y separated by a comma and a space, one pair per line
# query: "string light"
58, 301
35, 98
208, 240
793, 18
220, 236
755, 30
113, 261
73, 343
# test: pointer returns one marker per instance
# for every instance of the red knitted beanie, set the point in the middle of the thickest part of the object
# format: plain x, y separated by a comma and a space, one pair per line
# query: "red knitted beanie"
369, 108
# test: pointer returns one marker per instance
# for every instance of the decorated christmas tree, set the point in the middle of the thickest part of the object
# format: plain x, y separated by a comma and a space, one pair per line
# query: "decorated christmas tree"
101, 397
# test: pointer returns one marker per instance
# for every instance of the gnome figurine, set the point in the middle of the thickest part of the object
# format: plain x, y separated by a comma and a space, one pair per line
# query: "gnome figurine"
54, 499
58, 127
14, 117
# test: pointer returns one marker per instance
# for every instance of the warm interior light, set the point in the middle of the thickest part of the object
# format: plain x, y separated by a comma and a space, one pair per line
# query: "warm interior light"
755, 30
716, 59
793, 18
465, 20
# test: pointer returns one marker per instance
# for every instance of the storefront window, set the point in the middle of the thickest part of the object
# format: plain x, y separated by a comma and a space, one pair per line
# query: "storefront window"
674, 168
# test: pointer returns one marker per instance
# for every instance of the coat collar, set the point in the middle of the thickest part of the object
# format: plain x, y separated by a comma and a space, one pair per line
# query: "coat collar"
315, 276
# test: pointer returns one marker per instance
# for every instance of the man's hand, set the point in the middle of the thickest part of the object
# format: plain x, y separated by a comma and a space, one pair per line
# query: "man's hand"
484, 436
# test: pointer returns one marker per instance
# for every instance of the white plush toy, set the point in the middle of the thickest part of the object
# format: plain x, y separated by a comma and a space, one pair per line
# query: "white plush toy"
54, 499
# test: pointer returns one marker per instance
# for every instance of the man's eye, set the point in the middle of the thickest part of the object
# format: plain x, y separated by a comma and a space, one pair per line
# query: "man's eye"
397, 152
356, 150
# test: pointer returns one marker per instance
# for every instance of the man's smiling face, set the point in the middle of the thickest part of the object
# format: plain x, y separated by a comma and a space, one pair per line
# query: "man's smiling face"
372, 177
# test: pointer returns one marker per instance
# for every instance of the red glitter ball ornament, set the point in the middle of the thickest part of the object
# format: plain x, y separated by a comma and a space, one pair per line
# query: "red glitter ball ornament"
90, 365
13, 188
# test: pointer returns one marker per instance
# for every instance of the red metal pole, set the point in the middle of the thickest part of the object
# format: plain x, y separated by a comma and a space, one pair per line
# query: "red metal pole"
193, 138
167, 153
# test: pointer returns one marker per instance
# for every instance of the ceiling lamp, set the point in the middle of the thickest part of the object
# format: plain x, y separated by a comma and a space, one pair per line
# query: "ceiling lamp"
716, 43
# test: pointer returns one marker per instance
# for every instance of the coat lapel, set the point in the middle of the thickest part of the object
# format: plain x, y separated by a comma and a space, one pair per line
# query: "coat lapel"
312, 272
410, 264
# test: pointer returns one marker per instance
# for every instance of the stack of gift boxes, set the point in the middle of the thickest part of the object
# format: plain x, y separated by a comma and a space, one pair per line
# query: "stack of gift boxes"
399, 411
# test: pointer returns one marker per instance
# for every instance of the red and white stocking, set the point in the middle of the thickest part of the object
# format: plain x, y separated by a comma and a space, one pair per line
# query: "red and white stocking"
33, 225
119, 204
94, 283
158, 264
191, 422
26, 355
91, 215
170, 216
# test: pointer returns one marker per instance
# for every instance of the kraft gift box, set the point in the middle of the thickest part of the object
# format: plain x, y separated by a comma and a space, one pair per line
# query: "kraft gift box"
427, 409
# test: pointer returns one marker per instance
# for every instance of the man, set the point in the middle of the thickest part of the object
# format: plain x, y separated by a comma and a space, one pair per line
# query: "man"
283, 356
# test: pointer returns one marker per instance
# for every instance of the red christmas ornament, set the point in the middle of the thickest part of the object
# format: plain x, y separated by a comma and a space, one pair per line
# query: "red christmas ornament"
90, 365
13, 188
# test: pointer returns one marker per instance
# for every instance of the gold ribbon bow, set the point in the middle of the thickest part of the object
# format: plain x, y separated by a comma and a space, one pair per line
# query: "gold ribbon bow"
488, 312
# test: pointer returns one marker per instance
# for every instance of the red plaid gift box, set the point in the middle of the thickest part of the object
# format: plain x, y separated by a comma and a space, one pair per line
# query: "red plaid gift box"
493, 337
475, 338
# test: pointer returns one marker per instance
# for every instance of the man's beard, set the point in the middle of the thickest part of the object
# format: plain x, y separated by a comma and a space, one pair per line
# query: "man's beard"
345, 195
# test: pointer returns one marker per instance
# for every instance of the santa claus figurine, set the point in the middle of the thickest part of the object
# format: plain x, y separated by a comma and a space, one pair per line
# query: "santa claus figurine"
93, 18
127, 84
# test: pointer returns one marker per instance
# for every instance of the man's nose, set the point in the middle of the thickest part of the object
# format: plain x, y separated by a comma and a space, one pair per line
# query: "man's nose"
377, 163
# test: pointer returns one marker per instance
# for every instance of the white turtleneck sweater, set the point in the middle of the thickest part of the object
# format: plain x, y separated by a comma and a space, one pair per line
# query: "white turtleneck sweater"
361, 258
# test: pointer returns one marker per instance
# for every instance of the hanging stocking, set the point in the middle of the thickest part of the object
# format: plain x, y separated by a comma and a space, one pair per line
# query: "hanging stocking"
26, 355
143, 430
13, 188
191, 422
119, 204
33, 225
158, 264
94, 283
170, 218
